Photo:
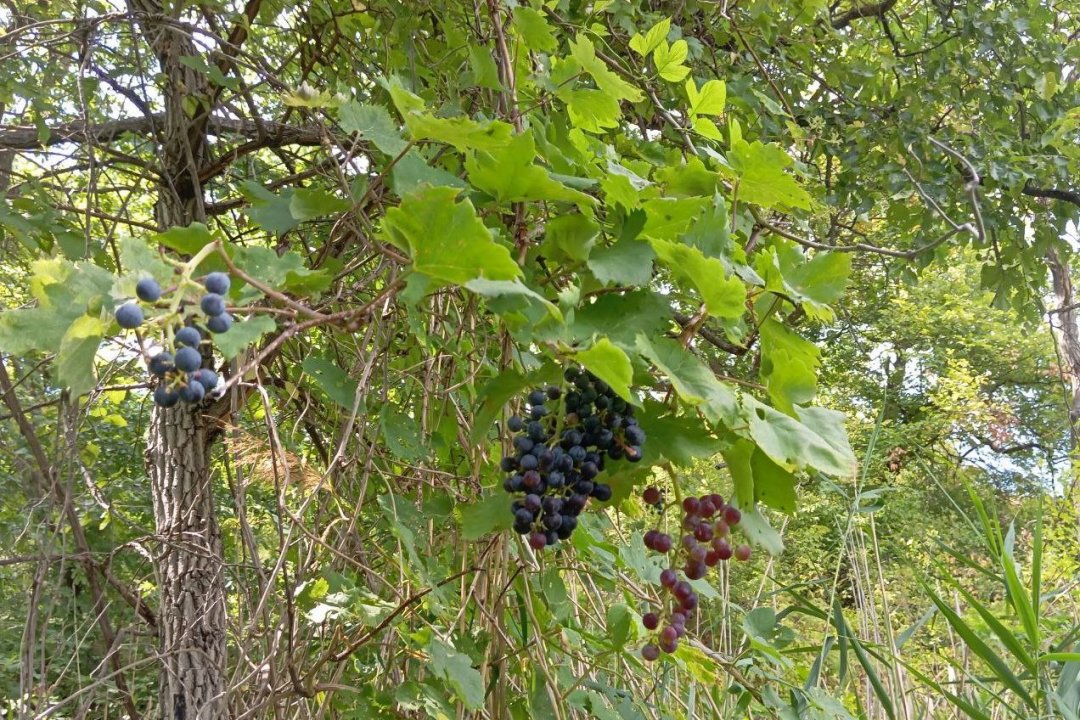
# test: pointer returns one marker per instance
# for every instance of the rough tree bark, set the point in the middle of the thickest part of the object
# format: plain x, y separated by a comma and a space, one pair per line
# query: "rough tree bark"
189, 567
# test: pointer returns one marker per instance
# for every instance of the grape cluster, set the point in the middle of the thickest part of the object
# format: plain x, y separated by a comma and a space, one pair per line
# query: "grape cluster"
180, 374
559, 452
707, 523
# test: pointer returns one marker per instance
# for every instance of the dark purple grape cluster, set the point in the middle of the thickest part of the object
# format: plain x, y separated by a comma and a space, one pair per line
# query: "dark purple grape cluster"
560, 447
181, 375
707, 523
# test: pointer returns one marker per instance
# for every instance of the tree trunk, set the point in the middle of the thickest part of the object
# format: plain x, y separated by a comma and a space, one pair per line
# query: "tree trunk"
189, 567
1068, 335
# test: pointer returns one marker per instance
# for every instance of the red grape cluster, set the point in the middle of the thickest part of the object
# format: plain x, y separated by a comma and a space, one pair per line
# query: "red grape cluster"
707, 523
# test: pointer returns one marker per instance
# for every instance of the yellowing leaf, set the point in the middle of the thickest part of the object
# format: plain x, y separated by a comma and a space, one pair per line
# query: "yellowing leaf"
669, 59
645, 44
709, 100
584, 52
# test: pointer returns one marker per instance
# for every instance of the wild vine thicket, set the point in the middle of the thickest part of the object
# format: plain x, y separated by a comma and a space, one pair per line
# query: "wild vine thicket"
480, 359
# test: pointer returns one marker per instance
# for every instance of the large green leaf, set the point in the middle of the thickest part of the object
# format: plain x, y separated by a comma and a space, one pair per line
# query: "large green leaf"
790, 444
456, 670
242, 334
446, 239
75, 360
582, 50
762, 180
509, 174
332, 380
695, 383
725, 297
628, 262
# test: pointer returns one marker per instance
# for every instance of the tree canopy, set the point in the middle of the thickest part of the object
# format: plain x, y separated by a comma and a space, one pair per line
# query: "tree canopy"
554, 359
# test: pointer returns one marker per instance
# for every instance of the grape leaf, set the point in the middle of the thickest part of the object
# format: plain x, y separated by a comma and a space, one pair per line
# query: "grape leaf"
509, 175
724, 297
645, 44
709, 100
762, 180
332, 380
695, 383
534, 29
582, 50
609, 363
629, 262
75, 360
372, 123
490, 513
242, 334
446, 239
456, 670
669, 60
308, 203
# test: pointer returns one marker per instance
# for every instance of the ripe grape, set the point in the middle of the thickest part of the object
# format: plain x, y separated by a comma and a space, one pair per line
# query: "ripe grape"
164, 397
742, 553
148, 290
220, 323
161, 364
193, 392
732, 516
650, 652
188, 359
188, 336
217, 283
650, 620
561, 445
651, 496
212, 304
668, 578
129, 316
205, 377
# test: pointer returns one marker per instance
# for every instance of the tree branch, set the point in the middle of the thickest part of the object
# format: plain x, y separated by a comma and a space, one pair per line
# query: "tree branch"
844, 19
1071, 196
276, 134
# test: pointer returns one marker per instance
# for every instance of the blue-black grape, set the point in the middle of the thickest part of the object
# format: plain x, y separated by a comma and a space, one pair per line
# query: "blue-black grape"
165, 397
161, 364
193, 392
205, 377
129, 316
217, 283
220, 323
148, 290
188, 359
212, 304
561, 446
188, 336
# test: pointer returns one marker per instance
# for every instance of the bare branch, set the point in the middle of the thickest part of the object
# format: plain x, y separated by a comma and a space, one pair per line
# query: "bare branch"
272, 135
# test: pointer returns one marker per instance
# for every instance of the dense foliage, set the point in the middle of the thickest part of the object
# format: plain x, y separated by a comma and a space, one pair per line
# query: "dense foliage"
539, 359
